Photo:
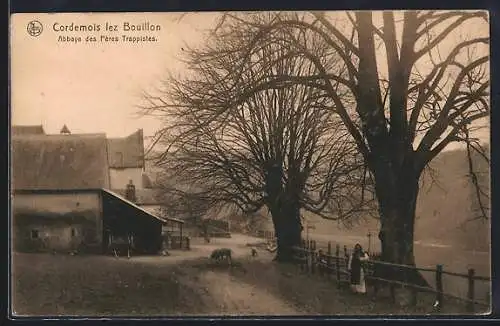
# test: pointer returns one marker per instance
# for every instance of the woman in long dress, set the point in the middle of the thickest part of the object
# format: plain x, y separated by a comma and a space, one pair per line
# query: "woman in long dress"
356, 269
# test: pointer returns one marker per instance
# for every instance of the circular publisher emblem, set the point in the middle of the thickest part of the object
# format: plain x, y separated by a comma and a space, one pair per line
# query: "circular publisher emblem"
34, 28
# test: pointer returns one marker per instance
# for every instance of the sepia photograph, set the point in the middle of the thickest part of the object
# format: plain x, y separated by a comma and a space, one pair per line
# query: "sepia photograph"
264, 163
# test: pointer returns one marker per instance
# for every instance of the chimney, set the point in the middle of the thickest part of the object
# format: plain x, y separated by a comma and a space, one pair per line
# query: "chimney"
65, 130
130, 192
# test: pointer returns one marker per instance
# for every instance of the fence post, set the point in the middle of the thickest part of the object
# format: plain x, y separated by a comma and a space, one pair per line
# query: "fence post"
329, 260
308, 257
470, 291
346, 256
188, 245
369, 242
337, 265
313, 256
439, 287
303, 264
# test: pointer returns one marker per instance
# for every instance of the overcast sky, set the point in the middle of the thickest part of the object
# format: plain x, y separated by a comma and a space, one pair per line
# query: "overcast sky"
95, 87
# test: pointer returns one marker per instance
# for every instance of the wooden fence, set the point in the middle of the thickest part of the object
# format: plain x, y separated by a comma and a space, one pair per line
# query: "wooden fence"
177, 242
333, 263
268, 235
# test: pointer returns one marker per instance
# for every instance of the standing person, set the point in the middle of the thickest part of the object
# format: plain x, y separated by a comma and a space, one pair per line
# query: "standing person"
356, 269
130, 244
206, 235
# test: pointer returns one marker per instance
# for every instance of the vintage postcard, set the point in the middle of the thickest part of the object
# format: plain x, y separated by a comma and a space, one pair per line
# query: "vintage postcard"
318, 163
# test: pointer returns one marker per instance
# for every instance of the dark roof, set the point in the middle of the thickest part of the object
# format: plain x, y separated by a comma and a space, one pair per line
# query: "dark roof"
59, 161
136, 206
27, 130
143, 196
126, 152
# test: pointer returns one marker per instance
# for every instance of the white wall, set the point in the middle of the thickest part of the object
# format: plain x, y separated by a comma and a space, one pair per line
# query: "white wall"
119, 178
58, 233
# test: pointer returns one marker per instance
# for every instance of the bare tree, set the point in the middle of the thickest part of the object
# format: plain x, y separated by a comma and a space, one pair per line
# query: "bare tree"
185, 204
280, 146
405, 90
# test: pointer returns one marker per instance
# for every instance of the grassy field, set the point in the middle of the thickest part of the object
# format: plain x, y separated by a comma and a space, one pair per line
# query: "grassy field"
59, 285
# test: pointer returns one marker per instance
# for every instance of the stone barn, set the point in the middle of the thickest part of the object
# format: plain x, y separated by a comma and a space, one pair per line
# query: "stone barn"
61, 199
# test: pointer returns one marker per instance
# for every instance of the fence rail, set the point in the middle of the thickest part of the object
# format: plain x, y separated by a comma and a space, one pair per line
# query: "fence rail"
334, 265
177, 242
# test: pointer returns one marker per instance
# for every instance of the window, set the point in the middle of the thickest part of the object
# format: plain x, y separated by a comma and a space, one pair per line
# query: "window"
73, 232
34, 234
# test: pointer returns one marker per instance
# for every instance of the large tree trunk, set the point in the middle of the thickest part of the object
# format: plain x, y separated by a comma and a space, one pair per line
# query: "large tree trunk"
397, 198
390, 156
284, 206
287, 226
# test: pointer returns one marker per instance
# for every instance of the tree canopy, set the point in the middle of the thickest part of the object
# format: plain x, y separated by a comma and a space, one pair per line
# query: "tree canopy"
400, 86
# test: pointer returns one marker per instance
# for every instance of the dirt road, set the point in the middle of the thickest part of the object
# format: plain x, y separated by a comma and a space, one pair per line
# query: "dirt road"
234, 297
221, 292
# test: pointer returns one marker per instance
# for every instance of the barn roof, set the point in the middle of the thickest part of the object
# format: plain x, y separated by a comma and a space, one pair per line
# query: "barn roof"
75, 161
118, 196
127, 152
28, 130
